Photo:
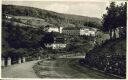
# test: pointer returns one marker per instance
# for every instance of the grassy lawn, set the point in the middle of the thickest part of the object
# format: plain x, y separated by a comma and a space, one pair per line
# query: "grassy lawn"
67, 68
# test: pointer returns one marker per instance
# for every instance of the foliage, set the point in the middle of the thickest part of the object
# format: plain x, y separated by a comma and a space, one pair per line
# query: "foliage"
79, 44
19, 40
114, 18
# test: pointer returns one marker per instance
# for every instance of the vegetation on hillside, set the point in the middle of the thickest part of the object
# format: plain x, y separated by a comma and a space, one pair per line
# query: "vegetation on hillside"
56, 19
20, 40
110, 57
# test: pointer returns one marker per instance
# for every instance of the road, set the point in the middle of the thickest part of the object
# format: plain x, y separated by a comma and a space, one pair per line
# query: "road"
23, 70
59, 68
68, 68
48, 69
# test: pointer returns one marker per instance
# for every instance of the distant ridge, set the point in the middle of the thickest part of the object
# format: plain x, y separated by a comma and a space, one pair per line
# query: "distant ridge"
49, 16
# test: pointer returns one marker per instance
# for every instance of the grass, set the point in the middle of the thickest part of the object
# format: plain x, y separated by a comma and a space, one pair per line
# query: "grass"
33, 21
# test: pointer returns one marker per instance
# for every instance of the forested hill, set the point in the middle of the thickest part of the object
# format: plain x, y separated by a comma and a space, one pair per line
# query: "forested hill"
57, 19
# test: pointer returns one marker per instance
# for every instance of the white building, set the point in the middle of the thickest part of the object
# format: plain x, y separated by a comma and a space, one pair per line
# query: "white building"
8, 17
56, 45
54, 29
80, 31
88, 31
84, 31
59, 43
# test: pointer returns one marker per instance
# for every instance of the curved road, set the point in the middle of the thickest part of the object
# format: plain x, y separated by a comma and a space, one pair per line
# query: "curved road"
23, 70
60, 68
68, 68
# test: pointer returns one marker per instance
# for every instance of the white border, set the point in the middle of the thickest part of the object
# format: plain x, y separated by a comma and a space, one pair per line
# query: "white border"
60, 78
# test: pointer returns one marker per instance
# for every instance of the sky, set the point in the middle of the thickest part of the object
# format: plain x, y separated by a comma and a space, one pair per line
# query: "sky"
84, 8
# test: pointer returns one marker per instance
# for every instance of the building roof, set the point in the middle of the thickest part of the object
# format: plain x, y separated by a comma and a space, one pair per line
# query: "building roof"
80, 27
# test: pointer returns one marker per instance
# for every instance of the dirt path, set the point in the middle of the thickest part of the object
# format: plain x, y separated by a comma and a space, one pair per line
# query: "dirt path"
23, 70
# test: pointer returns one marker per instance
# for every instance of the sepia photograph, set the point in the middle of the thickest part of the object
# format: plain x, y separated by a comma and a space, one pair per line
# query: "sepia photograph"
63, 39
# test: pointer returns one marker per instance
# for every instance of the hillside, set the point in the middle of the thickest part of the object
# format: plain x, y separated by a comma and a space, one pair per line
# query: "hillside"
109, 57
31, 21
23, 34
50, 17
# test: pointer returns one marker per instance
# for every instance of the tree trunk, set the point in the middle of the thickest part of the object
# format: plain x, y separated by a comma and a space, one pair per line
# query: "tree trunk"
110, 33
114, 36
119, 31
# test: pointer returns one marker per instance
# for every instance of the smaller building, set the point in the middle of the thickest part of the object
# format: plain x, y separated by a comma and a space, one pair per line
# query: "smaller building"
88, 31
84, 31
8, 16
59, 43
53, 29
56, 45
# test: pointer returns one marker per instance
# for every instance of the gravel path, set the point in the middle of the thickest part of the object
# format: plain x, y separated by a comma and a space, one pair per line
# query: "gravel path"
23, 70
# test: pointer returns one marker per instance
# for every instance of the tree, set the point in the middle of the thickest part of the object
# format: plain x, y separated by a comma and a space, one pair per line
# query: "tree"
122, 17
109, 19
48, 38
122, 14
114, 18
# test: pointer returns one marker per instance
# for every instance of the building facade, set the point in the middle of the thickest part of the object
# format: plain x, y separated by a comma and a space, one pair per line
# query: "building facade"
80, 31
88, 31
59, 43
56, 45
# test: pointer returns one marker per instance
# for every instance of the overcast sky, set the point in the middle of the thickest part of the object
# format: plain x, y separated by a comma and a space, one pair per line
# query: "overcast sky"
84, 8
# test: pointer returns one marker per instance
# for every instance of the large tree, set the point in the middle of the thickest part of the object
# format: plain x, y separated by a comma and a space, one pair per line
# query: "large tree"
109, 19
115, 17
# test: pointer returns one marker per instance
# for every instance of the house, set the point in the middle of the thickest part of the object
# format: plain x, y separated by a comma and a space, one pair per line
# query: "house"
56, 45
8, 17
59, 43
87, 31
53, 29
